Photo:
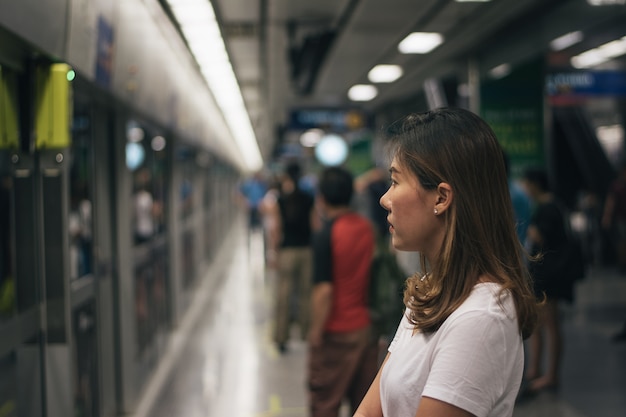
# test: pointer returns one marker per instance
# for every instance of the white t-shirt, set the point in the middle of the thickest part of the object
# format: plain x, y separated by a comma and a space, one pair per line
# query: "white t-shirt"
144, 223
474, 361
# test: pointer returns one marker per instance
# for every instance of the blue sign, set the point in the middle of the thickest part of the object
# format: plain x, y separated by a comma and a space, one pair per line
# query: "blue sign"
587, 83
338, 120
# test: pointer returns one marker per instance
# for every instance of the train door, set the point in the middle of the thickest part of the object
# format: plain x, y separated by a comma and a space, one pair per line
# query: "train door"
22, 305
143, 192
90, 255
34, 234
51, 294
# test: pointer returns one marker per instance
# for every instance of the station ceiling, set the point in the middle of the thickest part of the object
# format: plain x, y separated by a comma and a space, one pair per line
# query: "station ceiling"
307, 54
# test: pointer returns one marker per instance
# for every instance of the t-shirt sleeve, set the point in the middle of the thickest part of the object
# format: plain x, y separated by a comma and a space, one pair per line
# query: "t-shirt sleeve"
469, 367
322, 255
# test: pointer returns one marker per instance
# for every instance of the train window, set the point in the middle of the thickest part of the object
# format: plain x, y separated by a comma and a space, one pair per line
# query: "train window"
147, 160
80, 222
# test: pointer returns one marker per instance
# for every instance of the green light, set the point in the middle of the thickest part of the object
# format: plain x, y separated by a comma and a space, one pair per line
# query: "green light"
71, 75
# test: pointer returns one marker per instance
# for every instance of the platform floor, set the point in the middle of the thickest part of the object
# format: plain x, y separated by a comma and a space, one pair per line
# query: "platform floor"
221, 361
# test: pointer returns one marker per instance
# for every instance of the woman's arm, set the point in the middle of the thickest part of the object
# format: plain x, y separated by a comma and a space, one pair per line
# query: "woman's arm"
430, 407
370, 406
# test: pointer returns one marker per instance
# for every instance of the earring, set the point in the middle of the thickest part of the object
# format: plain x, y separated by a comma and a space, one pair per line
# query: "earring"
436, 212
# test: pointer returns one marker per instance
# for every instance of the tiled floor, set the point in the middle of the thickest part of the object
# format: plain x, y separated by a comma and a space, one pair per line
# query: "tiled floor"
225, 365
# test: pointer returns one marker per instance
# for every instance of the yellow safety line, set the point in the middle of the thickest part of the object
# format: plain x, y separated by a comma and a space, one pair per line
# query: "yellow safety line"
7, 408
275, 405
277, 410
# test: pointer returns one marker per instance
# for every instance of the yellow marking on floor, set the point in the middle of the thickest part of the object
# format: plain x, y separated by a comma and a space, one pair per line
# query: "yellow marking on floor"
275, 403
7, 408
276, 409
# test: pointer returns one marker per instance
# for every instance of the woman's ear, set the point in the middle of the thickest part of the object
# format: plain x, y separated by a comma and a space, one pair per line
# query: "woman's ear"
445, 195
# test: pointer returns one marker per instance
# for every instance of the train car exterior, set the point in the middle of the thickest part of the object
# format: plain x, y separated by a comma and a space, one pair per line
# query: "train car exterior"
116, 175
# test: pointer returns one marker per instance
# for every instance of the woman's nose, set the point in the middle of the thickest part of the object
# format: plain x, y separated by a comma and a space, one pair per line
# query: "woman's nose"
383, 202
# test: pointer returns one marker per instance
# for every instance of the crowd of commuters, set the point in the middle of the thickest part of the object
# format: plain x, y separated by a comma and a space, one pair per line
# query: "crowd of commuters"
478, 324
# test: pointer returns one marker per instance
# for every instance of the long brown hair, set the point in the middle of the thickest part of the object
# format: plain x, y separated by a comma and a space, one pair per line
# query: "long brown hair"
457, 147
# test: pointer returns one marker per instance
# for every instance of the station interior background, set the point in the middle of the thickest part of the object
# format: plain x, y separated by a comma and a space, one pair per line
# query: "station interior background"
108, 107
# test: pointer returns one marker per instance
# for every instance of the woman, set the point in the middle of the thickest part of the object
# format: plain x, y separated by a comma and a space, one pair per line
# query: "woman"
553, 277
458, 350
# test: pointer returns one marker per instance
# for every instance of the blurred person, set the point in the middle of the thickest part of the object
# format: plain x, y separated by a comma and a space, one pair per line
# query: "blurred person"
387, 276
614, 216
373, 183
547, 238
620, 336
458, 350
270, 222
252, 190
291, 241
145, 208
591, 209
521, 203
81, 234
343, 350
614, 221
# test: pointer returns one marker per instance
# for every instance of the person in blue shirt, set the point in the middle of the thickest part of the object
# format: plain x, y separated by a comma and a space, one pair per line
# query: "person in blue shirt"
253, 190
521, 203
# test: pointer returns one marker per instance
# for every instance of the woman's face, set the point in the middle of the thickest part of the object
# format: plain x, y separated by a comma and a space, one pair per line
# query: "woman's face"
412, 222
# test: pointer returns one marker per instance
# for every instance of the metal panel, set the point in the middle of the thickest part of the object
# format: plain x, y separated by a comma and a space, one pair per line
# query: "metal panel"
27, 247
19, 329
59, 379
29, 366
85, 36
56, 245
43, 23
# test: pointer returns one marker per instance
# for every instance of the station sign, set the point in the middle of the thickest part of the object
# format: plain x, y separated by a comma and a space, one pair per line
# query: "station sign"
336, 120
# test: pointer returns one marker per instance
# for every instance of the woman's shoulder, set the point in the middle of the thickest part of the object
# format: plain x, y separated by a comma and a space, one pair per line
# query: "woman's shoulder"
490, 299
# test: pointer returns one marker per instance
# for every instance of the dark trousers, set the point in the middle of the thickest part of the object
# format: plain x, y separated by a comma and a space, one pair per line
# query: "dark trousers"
344, 366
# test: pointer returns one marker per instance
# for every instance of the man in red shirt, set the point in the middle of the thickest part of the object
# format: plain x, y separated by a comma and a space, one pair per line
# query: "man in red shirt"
343, 350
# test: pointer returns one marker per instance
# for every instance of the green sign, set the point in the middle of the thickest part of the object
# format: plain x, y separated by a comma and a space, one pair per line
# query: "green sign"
513, 107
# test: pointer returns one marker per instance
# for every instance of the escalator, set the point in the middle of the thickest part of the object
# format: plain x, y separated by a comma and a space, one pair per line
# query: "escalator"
577, 160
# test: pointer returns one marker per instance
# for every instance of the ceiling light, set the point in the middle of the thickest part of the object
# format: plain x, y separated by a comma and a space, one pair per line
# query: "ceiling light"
311, 137
202, 33
385, 73
500, 71
420, 42
332, 150
362, 92
566, 40
600, 54
605, 2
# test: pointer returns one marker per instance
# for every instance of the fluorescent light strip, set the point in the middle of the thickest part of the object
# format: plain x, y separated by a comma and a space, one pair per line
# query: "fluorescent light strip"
201, 30
362, 92
565, 41
601, 54
500, 71
384, 73
606, 2
420, 42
